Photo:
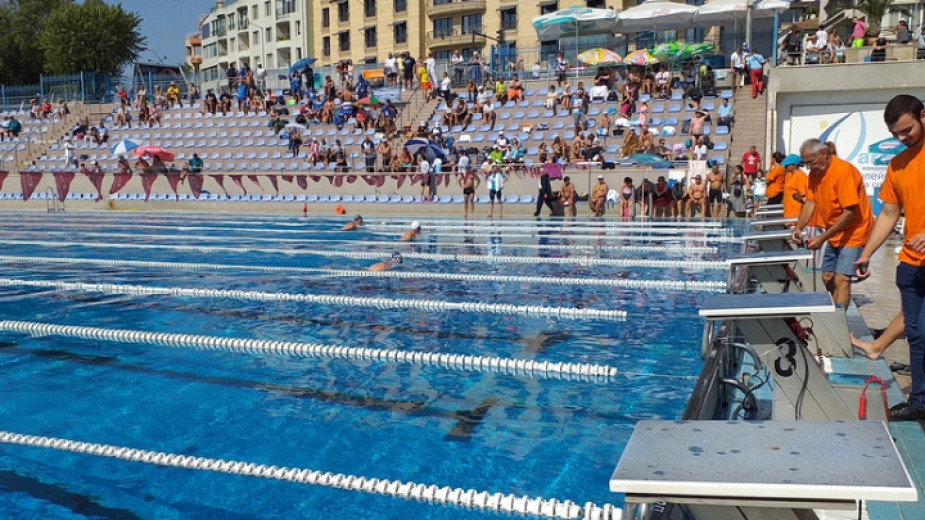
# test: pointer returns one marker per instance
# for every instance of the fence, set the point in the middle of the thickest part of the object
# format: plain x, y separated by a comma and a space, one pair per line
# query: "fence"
88, 87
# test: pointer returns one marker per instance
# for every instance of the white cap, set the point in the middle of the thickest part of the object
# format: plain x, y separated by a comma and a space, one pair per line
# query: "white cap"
415, 225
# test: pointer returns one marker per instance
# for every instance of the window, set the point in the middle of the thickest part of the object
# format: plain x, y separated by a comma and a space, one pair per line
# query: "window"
400, 32
472, 23
596, 4
285, 6
205, 30
443, 27
400, 6
326, 17
298, 27
343, 41
369, 37
549, 8
255, 13
326, 45
256, 38
369, 8
509, 18
442, 2
549, 49
266, 8
442, 56
343, 12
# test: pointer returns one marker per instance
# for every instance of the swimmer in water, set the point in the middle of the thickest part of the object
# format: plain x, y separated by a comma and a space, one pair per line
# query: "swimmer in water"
387, 265
352, 226
412, 233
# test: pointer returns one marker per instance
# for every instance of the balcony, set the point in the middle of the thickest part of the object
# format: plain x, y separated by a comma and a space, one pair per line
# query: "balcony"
194, 60
452, 39
443, 8
194, 40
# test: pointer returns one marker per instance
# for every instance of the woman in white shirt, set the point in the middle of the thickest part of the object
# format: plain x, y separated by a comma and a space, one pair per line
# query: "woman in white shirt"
699, 152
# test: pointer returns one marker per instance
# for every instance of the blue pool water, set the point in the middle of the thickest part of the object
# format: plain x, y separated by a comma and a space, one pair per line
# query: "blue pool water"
539, 437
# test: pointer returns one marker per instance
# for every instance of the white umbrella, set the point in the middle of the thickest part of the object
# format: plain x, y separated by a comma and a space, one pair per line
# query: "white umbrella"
719, 12
573, 21
124, 146
653, 14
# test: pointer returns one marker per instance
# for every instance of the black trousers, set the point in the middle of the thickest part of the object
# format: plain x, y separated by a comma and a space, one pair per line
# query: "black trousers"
540, 200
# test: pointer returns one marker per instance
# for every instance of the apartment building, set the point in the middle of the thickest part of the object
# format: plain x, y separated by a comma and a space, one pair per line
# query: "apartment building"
275, 33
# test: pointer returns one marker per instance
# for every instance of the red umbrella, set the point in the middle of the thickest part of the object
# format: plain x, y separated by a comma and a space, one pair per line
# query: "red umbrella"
369, 101
152, 150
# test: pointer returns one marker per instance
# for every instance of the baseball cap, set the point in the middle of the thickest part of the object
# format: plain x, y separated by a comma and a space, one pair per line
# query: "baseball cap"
600, 177
791, 159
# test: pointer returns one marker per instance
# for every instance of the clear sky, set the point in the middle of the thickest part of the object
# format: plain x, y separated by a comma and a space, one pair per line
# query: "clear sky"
165, 23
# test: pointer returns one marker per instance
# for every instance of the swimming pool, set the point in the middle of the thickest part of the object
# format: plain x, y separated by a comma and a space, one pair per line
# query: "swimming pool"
523, 291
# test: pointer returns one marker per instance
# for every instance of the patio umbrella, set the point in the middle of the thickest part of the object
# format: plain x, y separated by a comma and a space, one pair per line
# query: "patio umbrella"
429, 149
640, 57
695, 49
295, 125
667, 49
124, 146
600, 57
574, 20
719, 12
302, 64
371, 100
653, 14
152, 151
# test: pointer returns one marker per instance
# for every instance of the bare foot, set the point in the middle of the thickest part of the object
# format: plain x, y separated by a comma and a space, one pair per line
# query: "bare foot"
870, 348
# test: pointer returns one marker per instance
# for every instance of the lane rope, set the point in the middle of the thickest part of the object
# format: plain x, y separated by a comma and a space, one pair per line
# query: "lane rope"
666, 285
326, 299
469, 498
459, 362
505, 259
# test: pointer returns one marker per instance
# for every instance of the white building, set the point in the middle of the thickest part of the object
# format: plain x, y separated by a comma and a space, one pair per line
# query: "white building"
275, 33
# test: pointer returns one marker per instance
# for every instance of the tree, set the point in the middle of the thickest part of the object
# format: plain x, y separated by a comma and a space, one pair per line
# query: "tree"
21, 57
92, 37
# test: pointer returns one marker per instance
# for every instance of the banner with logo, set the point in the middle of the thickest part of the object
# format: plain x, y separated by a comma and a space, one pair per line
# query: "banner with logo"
63, 182
29, 181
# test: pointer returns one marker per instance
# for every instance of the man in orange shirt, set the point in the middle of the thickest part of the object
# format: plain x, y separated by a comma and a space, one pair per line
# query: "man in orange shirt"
837, 196
903, 190
775, 179
795, 186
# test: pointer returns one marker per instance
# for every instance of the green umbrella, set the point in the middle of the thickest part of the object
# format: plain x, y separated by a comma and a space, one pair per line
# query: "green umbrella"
667, 49
694, 49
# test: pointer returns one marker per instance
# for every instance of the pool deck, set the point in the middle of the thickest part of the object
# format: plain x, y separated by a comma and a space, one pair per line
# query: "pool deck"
877, 301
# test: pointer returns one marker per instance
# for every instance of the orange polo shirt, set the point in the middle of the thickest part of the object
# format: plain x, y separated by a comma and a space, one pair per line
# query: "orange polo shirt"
905, 185
796, 182
840, 187
775, 181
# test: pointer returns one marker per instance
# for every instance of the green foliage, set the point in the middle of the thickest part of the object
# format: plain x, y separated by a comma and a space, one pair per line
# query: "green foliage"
874, 11
92, 37
21, 22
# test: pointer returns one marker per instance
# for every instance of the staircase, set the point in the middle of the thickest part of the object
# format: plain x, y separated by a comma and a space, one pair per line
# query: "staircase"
751, 124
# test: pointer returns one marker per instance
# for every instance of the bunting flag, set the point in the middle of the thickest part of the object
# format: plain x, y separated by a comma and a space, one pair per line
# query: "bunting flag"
119, 180
96, 179
369, 180
338, 180
174, 180
287, 178
314, 178
255, 180
220, 179
303, 181
400, 180
351, 179
29, 181
147, 180
275, 182
195, 184
3, 175
63, 182
238, 181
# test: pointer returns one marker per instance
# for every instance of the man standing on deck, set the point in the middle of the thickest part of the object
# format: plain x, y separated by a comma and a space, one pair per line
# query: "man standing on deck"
839, 200
716, 182
903, 190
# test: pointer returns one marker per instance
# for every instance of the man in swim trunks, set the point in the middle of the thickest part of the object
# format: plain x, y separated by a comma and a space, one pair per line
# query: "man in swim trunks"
697, 194
567, 197
716, 181
412, 233
469, 181
598, 197
387, 265
352, 226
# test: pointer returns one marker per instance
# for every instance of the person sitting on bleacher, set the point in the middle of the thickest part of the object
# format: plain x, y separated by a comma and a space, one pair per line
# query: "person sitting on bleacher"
122, 165
543, 156
327, 111
648, 83
173, 94
559, 149
646, 141
277, 123
663, 150
347, 93
143, 165
501, 90
224, 102
195, 164
579, 99
577, 149
565, 99
630, 143
258, 105
515, 91
124, 117
488, 113
154, 116
210, 104
461, 115
330, 91
102, 134
362, 119
725, 114
663, 83
551, 98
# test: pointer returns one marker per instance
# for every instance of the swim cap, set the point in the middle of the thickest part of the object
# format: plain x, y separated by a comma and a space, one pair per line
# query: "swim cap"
396, 257
415, 225
358, 217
